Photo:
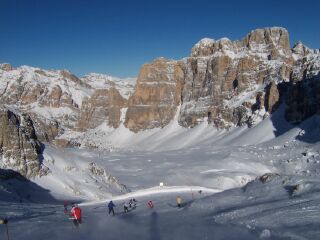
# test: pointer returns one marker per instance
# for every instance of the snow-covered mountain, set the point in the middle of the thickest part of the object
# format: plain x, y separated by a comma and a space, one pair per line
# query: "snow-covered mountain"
233, 129
223, 84
58, 100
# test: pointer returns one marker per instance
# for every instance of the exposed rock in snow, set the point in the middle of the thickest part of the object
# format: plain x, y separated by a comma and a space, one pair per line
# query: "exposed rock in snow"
19, 147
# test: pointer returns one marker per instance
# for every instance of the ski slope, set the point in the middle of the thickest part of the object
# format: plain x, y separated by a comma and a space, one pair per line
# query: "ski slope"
257, 211
225, 166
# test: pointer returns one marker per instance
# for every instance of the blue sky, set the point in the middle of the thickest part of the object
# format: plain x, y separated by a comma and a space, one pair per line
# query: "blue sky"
117, 37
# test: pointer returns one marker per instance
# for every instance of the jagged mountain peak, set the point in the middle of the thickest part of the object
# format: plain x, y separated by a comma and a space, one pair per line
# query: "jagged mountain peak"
259, 41
300, 50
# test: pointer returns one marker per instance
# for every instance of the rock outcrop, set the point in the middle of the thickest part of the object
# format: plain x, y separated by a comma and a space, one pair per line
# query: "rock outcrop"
157, 95
303, 100
19, 147
104, 105
212, 83
58, 101
6, 67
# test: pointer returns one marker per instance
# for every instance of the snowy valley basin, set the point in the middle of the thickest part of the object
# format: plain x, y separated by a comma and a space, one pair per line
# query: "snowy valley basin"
221, 144
218, 178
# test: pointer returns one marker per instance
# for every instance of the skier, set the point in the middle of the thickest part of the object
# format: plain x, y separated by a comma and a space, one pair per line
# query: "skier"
179, 201
111, 206
3, 221
75, 213
65, 206
150, 204
126, 207
133, 203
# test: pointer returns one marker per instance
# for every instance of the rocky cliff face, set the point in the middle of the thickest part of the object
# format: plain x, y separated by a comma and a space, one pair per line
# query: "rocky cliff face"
58, 100
227, 83
157, 95
19, 147
104, 105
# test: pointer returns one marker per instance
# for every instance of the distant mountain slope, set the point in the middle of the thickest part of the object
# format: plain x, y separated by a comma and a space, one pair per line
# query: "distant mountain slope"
221, 86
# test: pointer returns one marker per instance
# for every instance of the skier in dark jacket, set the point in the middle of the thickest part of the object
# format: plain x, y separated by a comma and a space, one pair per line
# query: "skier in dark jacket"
126, 207
111, 206
3, 221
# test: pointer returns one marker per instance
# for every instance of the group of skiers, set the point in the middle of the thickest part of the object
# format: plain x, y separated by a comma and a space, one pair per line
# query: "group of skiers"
75, 212
132, 204
76, 215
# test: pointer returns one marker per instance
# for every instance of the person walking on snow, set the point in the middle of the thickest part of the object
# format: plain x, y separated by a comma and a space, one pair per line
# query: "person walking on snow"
126, 207
179, 201
75, 213
5, 222
111, 206
150, 204
65, 206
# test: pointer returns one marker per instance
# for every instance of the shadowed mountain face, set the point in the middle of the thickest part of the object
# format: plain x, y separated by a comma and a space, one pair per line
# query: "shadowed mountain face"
16, 188
19, 147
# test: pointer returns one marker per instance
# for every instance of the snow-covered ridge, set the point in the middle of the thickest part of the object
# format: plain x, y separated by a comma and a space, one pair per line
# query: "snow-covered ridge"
101, 81
54, 94
76, 87
255, 43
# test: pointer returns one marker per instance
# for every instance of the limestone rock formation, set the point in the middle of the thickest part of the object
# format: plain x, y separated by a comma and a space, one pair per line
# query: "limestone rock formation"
104, 105
6, 67
58, 101
106, 177
226, 83
212, 82
156, 96
19, 148
272, 97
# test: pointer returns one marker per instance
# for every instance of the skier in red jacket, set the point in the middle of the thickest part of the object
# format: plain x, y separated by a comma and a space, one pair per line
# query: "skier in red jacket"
150, 204
75, 213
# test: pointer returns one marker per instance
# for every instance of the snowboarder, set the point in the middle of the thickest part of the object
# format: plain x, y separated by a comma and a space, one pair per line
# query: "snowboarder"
75, 213
126, 207
150, 204
111, 206
179, 201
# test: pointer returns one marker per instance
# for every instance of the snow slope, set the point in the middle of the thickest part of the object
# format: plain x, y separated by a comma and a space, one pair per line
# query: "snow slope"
225, 165
257, 211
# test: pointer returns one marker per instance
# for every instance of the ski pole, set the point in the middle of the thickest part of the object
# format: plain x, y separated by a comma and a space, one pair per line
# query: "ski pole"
7, 232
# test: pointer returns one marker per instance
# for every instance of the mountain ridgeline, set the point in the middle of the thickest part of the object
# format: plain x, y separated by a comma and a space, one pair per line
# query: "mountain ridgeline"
226, 83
